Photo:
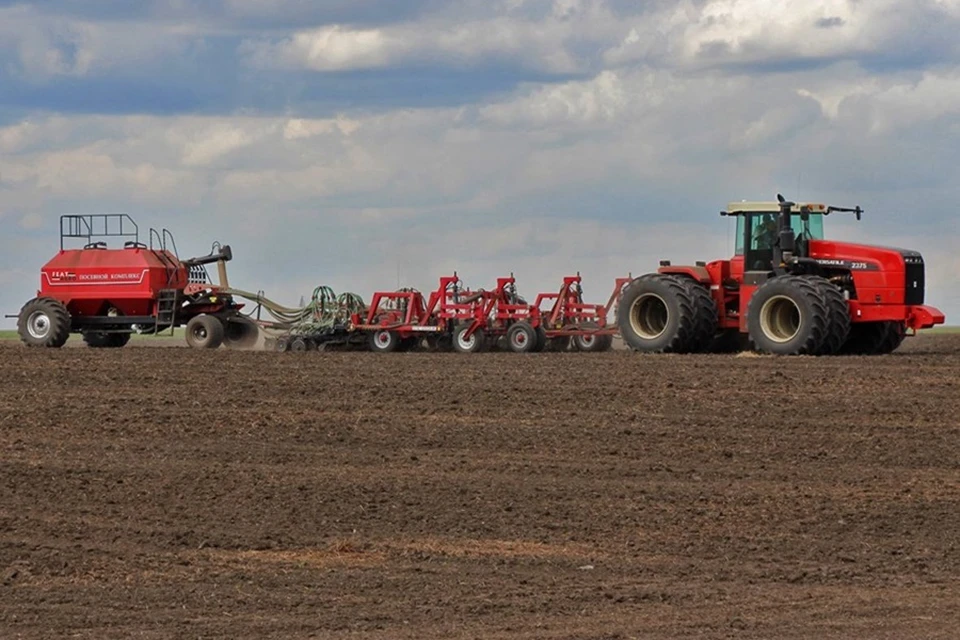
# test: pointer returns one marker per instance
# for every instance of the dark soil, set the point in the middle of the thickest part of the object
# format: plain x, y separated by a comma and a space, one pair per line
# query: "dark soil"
169, 493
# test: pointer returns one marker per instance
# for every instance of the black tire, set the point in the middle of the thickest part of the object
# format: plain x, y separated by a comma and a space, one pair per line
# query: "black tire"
522, 338
873, 338
558, 345
282, 344
300, 344
44, 322
705, 309
473, 344
100, 340
896, 333
240, 333
590, 343
384, 341
204, 332
606, 342
787, 315
838, 315
657, 314
541, 339
441, 343
411, 343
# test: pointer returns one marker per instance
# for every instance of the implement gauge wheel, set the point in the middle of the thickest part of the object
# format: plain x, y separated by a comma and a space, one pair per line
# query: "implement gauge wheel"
592, 343
384, 341
522, 338
204, 332
463, 344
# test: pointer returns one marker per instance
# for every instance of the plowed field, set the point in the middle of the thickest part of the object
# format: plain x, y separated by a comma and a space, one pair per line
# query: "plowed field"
169, 493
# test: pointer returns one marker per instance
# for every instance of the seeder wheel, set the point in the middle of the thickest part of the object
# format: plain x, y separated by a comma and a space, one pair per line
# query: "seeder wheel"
204, 332
240, 333
103, 340
44, 322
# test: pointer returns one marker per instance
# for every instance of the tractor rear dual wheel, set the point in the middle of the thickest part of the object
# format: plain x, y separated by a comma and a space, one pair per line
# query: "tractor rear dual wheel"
660, 313
44, 322
797, 315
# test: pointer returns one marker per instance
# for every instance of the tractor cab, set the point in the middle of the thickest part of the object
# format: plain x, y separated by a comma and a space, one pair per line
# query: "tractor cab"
759, 231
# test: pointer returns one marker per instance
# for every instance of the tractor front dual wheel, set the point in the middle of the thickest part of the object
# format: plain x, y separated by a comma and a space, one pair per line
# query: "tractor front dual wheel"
797, 315
874, 338
44, 322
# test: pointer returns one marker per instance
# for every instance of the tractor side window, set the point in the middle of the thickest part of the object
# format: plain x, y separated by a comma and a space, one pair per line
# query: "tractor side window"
738, 247
764, 231
812, 229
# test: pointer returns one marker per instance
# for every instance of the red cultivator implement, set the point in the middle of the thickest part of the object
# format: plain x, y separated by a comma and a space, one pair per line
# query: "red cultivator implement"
571, 321
451, 319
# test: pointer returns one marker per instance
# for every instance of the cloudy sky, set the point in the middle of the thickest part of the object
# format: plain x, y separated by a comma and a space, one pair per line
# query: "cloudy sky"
362, 143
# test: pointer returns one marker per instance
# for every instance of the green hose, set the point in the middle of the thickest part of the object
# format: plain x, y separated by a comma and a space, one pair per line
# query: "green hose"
324, 310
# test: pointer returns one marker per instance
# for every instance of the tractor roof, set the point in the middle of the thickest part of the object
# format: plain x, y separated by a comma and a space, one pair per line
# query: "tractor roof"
773, 207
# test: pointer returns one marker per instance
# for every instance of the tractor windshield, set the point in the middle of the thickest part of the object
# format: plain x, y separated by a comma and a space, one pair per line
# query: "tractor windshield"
761, 229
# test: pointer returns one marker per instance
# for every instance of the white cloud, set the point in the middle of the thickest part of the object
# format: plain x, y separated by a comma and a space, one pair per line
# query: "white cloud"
214, 143
585, 37
601, 99
332, 48
448, 39
297, 128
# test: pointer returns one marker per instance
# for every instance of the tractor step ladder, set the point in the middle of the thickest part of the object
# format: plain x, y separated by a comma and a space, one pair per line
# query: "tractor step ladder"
167, 302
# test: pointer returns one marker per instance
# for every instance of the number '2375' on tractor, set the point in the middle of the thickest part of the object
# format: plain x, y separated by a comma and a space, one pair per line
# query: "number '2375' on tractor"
786, 291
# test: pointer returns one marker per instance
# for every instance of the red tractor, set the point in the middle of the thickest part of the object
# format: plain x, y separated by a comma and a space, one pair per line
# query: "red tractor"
107, 294
786, 291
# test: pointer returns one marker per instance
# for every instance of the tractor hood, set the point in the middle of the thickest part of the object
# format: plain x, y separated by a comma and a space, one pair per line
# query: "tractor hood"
862, 257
